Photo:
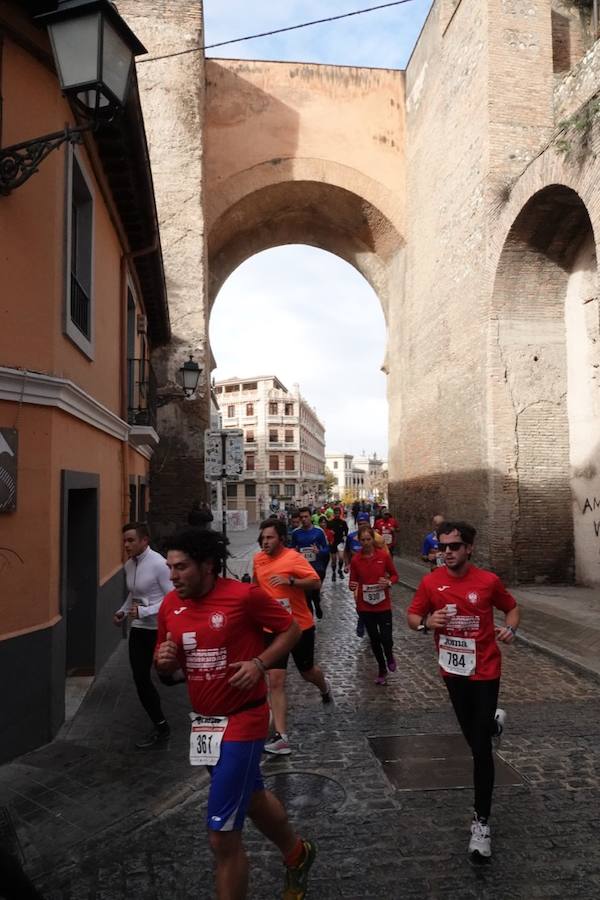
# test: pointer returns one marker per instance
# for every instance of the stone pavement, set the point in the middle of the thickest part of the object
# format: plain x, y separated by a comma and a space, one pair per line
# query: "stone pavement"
98, 820
562, 620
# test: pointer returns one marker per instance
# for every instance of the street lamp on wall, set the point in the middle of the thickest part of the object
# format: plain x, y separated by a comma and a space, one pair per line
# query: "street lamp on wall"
93, 50
190, 376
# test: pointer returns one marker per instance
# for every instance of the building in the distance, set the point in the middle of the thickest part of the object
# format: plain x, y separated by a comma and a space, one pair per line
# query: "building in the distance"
284, 444
357, 477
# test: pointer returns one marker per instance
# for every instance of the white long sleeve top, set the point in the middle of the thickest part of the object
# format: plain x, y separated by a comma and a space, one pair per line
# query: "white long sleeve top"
148, 580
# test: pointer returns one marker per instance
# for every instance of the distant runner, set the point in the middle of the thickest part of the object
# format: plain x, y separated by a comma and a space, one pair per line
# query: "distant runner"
372, 573
457, 603
336, 548
387, 527
285, 576
310, 541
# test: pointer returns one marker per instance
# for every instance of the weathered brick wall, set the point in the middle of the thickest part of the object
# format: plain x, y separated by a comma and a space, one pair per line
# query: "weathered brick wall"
438, 453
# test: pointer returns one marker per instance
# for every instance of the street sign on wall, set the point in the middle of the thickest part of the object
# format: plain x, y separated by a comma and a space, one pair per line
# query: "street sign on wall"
223, 454
234, 454
213, 455
8, 469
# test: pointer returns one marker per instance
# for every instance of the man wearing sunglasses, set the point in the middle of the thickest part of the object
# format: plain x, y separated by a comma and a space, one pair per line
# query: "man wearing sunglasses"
457, 601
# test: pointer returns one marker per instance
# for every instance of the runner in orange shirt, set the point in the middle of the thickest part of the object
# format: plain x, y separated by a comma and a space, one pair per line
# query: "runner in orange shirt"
285, 575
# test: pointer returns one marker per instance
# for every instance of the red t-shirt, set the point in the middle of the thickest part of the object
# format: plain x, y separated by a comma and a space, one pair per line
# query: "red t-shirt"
329, 535
387, 529
475, 594
366, 571
223, 627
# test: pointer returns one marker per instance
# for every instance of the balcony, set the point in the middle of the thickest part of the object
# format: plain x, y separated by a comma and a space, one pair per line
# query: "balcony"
141, 402
284, 473
283, 445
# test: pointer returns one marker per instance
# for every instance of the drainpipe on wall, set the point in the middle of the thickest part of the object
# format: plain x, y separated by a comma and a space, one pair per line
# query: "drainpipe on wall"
123, 391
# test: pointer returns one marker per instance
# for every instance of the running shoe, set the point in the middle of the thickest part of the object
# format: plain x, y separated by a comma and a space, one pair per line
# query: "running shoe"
296, 877
381, 679
156, 738
392, 665
326, 697
278, 745
480, 844
500, 720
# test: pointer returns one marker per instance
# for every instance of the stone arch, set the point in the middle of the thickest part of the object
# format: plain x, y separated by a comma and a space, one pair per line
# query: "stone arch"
546, 455
307, 201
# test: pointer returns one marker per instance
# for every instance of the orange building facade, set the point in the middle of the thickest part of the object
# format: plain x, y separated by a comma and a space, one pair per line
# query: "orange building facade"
83, 304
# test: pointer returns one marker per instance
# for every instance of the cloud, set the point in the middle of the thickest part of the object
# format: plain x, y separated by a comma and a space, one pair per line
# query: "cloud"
308, 317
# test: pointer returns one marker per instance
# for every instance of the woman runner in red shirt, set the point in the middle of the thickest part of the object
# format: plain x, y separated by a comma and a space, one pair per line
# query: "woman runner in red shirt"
372, 573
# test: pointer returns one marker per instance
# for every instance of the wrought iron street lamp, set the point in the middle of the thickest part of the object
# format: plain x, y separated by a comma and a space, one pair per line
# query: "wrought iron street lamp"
93, 51
190, 376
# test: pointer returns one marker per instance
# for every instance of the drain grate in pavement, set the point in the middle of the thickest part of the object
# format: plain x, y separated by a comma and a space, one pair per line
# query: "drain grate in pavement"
429, 762
305, 792
8, 836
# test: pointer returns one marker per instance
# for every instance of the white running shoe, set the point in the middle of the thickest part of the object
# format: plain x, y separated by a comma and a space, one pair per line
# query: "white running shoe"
500, 720
278, 745
480, 844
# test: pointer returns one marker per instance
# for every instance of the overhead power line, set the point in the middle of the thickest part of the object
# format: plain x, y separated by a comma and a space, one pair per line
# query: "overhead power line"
252, 37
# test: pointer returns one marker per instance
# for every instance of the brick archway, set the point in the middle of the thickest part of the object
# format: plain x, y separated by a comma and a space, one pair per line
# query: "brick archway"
544, 449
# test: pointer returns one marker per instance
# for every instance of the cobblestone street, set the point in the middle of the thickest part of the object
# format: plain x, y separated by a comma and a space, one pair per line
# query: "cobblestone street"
115, 823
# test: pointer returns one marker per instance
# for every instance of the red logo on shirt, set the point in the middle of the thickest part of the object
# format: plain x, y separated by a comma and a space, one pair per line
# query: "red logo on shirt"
217, 620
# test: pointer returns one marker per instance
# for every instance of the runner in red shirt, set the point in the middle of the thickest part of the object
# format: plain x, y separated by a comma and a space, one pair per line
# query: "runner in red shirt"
457, 602
210, 634
387, 527
372, 572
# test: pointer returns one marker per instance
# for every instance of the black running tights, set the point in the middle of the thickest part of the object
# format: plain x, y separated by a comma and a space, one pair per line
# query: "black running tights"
475, 704
379, 629
142, 642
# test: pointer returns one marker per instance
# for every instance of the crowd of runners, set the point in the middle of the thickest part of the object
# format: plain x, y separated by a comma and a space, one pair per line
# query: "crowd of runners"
231, 642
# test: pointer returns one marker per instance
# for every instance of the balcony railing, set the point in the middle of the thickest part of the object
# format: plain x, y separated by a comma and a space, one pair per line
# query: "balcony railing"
80, 306
141, 393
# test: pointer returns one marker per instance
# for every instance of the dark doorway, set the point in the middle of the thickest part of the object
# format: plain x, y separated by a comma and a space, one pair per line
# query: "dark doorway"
80, 577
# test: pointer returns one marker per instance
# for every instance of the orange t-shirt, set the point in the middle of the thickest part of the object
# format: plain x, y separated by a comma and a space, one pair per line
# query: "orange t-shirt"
286, 563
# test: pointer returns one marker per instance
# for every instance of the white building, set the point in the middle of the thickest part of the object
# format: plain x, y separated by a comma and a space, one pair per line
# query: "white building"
357, 477
284, 444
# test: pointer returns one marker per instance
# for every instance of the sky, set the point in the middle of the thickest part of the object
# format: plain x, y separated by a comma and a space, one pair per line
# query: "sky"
336, 353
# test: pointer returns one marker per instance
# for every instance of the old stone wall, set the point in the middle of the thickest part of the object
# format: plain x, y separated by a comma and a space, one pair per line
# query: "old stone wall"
172, 94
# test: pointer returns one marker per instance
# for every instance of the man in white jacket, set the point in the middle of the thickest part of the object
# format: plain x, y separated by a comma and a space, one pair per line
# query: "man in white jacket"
148, 580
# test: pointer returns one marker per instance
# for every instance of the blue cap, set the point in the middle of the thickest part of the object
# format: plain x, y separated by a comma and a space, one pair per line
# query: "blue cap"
363, 517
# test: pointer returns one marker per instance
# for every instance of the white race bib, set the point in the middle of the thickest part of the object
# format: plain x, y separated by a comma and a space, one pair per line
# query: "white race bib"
387, 537
283, 601
373, 594
308, 554
205, 739
457, 655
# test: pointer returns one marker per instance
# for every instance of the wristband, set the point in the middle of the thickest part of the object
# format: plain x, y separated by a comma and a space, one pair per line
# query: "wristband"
512, 630
259, 665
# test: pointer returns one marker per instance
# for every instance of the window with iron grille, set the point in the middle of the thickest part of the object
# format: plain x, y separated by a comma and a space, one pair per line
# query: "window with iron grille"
80, 244
232, 489
273, 434
289, 490
250, 489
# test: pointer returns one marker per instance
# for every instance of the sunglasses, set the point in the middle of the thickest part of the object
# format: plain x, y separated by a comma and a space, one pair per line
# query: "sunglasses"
453, 545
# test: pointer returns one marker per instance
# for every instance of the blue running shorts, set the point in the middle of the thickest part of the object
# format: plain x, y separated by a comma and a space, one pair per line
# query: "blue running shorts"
233, 781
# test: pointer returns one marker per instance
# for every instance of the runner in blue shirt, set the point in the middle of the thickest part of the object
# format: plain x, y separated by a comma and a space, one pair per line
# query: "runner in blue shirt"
429, 550
311, 542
